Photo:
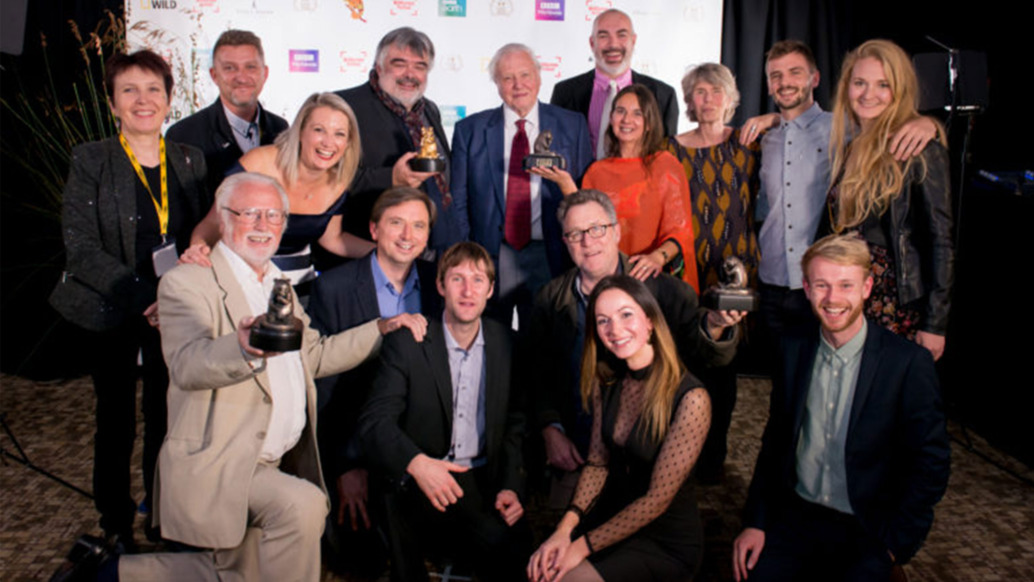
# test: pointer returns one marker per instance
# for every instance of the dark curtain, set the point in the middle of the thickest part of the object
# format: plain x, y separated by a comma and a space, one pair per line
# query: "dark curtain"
751, 26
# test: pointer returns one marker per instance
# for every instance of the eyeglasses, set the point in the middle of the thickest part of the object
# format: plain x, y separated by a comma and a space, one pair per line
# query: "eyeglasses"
251, 215
594, 231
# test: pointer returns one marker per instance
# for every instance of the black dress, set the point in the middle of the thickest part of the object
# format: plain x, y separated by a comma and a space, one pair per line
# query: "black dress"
642, 521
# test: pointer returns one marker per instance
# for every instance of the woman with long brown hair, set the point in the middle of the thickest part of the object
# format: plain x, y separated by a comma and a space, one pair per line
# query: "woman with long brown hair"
648, 188
902, 209
634, 515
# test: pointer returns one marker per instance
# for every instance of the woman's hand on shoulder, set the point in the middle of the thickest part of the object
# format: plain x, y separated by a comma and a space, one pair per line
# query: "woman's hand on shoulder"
756, 126
196, 254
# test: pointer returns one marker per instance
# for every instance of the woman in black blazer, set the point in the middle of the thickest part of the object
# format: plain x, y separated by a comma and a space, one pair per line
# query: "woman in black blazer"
130, 204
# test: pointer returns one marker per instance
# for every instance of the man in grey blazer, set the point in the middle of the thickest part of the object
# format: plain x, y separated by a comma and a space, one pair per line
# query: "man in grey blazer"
239, 473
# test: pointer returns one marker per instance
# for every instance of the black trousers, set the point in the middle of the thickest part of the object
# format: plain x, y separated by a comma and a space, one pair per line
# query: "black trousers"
781, 309
114, 382
809, 542
470, 530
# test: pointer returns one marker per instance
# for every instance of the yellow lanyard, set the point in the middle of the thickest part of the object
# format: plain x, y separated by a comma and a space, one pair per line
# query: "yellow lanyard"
162, 207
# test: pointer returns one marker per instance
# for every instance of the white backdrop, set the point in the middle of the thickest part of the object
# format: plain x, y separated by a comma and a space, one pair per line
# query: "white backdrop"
326, 45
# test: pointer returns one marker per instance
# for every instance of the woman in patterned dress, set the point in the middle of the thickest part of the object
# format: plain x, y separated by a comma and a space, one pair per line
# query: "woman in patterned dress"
902, 209
723, 185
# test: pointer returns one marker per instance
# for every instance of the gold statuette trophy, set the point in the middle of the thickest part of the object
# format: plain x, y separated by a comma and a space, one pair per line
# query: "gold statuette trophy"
428, 159
543, 158
278, 330
732, 294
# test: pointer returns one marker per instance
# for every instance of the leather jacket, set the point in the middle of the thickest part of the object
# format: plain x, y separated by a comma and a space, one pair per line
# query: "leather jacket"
918, 230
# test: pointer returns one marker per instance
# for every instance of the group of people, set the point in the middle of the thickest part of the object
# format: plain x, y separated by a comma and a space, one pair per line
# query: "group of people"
433, 412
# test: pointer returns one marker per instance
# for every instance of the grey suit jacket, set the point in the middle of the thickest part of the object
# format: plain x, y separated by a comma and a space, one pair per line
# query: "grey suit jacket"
100, 287
219, 407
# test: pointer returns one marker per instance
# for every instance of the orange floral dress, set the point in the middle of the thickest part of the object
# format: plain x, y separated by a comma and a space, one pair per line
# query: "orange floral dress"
651, 197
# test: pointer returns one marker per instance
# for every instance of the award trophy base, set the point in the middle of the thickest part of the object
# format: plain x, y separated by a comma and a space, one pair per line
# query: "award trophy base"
427, 164
730, 300
544, 161
270, 337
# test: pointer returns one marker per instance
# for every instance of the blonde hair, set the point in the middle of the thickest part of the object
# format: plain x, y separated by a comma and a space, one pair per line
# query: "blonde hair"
842, 249
870, 176
714, 74
663, 380
289, 143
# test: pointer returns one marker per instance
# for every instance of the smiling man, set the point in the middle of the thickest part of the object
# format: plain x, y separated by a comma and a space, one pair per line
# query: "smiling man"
511, 212
235, 123
391, 281
239, 471
592, 94
855, 454
392, 110
557, 333
443, 426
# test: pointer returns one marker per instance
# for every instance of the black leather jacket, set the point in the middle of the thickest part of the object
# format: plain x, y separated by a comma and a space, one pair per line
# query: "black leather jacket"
918, 230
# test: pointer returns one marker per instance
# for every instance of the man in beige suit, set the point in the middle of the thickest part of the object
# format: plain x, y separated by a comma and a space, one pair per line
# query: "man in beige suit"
238, 472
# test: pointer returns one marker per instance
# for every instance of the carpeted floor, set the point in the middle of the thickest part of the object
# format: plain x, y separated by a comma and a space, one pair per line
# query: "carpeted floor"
984, 527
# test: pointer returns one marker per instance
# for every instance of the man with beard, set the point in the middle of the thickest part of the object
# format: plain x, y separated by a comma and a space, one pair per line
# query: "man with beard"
592, 94
235, 123
855, 454
391, 110
795, 179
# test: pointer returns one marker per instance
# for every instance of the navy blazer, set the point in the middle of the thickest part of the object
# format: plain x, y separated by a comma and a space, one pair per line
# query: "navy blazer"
209, 131
410, 407
478, 172
897, 455
575, 94
342, 298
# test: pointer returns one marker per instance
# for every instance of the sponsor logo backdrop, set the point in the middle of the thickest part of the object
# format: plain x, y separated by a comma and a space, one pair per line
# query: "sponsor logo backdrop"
326, 45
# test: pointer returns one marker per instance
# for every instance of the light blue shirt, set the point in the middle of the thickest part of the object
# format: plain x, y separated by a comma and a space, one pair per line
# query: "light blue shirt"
467, 369
245, 133
821, 469
389, 301
794, 183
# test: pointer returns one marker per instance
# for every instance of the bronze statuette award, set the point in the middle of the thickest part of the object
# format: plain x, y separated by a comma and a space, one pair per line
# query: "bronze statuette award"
732, 294
543, 157
428, 159
278, 330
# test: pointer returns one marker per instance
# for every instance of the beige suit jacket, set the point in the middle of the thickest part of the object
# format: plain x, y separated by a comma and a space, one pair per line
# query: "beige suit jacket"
219, 408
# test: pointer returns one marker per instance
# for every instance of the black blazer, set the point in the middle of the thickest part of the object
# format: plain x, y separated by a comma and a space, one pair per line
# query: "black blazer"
100, 288
209, 131
342, 298
385, 139
410, 408
576, 94
897, 452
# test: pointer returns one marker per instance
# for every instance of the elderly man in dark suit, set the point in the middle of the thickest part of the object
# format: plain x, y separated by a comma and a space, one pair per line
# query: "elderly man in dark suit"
443, 425
592, 94
390, 281
855, 454
236, 122
392, 110
512, 212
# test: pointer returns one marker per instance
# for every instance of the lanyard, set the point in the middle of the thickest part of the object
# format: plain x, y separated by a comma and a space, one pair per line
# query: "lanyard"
162, 207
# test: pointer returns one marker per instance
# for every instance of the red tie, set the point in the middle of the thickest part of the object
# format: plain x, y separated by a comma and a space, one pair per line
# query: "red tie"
518, 192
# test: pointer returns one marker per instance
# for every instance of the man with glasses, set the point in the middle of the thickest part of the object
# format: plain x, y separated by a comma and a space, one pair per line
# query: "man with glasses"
238, 473
590, 230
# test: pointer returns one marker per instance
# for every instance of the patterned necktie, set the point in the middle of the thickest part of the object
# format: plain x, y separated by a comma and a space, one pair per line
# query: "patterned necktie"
518, 192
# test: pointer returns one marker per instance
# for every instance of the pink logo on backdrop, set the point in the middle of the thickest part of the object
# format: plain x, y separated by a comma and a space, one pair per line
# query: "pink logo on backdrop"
549, 9
551, 65
594, 7
404, 8
303, 61
352, 61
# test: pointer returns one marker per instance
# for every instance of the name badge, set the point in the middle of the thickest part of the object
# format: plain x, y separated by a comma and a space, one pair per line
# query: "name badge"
164, 256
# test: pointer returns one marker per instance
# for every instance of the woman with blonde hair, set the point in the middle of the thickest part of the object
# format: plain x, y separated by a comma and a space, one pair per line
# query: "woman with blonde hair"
634, 515
901, 209
315, 161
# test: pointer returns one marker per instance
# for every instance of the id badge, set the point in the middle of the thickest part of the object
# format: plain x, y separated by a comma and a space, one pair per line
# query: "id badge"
164, 256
